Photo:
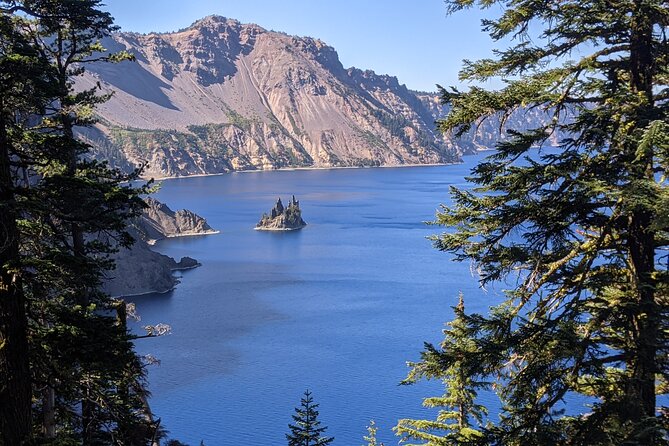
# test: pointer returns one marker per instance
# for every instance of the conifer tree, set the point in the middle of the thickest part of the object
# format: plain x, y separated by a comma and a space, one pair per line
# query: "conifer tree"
24, 82
86, 206
370, 438
307, 429
73, 212
580, 231
459, 416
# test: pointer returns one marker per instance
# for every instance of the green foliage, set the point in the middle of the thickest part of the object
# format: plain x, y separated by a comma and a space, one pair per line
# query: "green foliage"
240, 121
373, 140
294, 127
365, 162
307, 429
25, 89
577, 232
370, 438
209, 139
396, 125
175, 443
455, 364
70, 212
147, 140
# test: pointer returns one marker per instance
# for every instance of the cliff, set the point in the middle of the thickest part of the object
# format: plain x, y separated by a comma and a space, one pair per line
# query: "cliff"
158, 221
486, 134
220, 96
282, 218
140, 270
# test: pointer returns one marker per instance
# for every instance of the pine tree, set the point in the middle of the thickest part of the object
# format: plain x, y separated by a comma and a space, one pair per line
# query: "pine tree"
72, 213
23, 77
458, 405
370, 438
86, 209
307, 429
579, 231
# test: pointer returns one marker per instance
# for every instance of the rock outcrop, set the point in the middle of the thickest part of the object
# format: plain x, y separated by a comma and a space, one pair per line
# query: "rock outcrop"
282, 218
220, 96
158, 221
139, 269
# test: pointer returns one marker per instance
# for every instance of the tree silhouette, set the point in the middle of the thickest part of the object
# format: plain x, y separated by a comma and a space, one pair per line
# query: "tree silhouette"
307, 431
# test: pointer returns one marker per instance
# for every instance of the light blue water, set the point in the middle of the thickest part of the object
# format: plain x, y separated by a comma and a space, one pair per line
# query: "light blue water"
337, 308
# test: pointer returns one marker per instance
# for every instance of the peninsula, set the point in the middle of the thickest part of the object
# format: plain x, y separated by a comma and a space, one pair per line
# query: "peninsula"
139, 269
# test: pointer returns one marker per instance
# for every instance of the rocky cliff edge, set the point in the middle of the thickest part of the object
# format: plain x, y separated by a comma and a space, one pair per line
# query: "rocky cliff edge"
139, 269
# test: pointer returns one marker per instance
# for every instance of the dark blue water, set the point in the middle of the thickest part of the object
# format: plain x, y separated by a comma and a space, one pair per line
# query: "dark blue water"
337, 308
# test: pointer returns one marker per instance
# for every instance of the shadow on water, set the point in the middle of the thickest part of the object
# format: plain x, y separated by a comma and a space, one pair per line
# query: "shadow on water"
215, 305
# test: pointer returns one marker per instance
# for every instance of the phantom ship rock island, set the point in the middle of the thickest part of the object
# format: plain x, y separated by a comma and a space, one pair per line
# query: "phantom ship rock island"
282, 218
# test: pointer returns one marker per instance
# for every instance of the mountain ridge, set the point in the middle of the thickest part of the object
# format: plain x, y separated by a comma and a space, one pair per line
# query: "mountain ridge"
221, 96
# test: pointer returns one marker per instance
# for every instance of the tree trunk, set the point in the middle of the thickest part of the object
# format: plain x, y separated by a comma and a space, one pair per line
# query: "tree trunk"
641, 237
644, 366
49, 409
15, 383
78, 250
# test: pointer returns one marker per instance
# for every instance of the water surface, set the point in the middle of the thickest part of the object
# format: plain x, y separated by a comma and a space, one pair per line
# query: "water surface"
337, 308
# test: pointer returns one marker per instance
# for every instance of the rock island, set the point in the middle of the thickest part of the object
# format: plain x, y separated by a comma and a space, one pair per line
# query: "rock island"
282, 218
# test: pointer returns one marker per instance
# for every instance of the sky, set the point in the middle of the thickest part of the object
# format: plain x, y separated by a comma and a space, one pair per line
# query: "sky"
412, 39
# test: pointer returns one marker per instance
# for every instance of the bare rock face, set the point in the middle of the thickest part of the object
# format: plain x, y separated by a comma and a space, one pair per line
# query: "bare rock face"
158, 221
222, 96
140, 270
282, 218
187, 263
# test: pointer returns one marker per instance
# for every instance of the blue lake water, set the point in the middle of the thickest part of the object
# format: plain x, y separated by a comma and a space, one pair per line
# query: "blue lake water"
337, 308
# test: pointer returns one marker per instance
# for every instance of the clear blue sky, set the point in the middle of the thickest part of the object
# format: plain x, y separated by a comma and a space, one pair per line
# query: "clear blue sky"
413, 40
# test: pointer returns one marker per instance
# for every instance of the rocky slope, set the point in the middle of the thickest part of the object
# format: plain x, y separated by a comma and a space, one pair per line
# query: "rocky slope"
487, 133
221, 96
140, 270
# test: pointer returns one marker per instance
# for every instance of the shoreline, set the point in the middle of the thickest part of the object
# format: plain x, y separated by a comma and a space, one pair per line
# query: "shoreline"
152, 242
192, 234
291, 169
144, 293
172, 270
186, 268
174, 287
278, 229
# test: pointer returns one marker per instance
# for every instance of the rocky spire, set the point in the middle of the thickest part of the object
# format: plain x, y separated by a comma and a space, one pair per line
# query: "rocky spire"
283, 218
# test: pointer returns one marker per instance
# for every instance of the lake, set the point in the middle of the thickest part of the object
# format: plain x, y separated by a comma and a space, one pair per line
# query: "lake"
337, 308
